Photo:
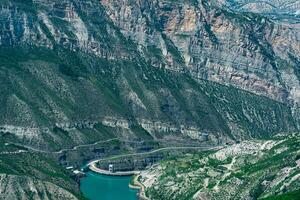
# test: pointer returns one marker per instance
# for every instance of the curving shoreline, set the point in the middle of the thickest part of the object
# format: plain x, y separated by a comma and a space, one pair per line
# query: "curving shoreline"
140, 187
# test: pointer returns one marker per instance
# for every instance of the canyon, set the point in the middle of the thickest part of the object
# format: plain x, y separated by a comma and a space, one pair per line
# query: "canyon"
141, 75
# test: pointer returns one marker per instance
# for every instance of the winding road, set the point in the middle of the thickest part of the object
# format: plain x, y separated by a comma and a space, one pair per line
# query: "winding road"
60, 151
92, 164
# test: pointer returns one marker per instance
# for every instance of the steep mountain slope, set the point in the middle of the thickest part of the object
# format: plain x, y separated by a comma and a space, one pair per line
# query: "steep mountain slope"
72, 107
77, 73
249, 170
67, 69
209, 41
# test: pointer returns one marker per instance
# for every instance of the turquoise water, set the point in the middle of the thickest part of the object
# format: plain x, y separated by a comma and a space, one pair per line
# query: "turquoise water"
100, 187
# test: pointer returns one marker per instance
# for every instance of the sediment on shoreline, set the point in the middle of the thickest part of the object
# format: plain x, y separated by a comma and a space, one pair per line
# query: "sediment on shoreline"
140, 186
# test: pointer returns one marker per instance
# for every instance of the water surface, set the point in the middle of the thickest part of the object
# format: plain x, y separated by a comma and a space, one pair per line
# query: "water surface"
100, 187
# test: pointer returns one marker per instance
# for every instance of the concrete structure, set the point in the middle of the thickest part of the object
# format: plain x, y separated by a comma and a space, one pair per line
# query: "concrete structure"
69, 168
111, 168
93, 167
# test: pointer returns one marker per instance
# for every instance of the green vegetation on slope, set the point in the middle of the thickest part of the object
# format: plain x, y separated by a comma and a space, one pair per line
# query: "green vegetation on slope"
36, 167
75, 88
294, 195
252, 169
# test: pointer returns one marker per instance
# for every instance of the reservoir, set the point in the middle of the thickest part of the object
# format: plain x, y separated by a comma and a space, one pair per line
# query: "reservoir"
100, 187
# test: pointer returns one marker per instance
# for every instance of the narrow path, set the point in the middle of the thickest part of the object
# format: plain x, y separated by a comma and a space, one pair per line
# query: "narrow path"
60, 151
13, 152
155, 151
225, 175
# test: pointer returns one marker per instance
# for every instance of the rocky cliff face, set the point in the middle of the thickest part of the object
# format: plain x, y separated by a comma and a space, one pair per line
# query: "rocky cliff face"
145, 69
74, 25
211, 42
206, 39
277, 9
